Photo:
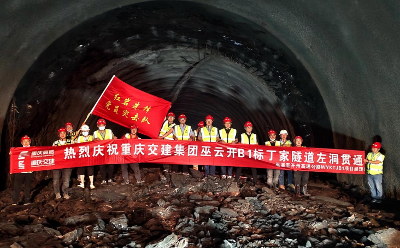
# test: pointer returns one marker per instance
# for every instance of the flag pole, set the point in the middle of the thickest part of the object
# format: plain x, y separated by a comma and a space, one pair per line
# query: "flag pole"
101, 96
90, 113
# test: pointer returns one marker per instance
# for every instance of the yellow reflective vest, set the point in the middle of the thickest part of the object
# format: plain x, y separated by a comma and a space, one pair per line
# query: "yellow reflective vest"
108, 134
58, 143
287, 143
207, 136
375, 169
245, 139
81, 139
227, 138
186, 133
268, 143
165, 128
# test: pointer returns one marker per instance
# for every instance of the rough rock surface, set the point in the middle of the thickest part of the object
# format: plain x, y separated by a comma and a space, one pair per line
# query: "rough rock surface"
158, 214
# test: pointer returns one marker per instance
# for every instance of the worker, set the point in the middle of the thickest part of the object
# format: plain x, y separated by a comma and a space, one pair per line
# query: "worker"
249, 138
286, 143
196, 132
166, 133
228, 136
23, 178
66, 173
209, 134
272, 174
70, 130
85, 137
374, 163
106, 170
300, 177
183, 132
134, 166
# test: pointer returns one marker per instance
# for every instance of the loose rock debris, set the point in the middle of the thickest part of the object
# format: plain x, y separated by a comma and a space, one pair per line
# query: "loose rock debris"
182, 211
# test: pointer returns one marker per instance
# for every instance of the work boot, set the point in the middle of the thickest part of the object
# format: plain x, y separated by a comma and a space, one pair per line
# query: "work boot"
82, 180
58, 196
305, 192
297, 190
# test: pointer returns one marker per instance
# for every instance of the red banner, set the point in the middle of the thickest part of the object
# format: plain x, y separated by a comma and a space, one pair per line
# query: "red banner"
126, 105
122, 151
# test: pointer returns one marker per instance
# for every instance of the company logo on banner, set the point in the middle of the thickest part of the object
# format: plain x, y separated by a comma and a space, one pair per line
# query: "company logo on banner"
123, 151
126, 105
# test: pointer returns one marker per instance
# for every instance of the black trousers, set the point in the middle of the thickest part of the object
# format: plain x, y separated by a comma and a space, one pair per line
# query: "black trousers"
253, 173
89, 169
19, 179
107, 171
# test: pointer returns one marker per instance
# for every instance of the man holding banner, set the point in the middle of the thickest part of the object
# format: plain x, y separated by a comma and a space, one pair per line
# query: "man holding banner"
183, 132
66, 173
106, 170
209, 134
166, 133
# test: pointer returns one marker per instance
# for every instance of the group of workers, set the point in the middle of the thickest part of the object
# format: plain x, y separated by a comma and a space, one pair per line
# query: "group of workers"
205, 132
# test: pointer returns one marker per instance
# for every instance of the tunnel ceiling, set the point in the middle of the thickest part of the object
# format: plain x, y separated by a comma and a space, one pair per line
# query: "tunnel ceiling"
236, 68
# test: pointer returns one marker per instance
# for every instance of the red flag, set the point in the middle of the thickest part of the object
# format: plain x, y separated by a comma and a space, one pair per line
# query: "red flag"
126, 105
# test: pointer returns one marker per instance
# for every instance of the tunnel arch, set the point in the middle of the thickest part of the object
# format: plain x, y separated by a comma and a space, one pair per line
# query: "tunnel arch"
240, 71
347, 49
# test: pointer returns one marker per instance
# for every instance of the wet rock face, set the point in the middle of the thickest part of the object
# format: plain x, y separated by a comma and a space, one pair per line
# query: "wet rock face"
160, 214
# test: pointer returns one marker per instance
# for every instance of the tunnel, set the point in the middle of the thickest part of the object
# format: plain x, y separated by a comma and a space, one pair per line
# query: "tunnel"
324, 72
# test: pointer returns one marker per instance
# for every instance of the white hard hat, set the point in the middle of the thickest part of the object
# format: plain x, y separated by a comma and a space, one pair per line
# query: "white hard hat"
85, 128
283, 132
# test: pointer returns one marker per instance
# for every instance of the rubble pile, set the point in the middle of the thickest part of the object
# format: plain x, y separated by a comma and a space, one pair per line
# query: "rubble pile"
181, 211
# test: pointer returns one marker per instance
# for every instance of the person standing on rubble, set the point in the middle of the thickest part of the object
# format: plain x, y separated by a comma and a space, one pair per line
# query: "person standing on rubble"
106, 170
248, 138
272, 174
228, 136
209, 134
134, 166
300, 177
166, 133
374, 163
286, 143
66, 173
183, 132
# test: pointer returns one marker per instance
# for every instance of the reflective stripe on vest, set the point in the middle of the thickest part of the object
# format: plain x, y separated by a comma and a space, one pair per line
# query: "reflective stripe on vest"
252, 141
207, 137
81, 139
107, 136
227, 138
186, 133
375, 169
165, 128
287, 143
128, 136
268, 143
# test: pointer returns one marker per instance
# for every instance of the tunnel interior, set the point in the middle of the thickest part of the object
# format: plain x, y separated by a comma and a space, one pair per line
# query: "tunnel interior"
206, 60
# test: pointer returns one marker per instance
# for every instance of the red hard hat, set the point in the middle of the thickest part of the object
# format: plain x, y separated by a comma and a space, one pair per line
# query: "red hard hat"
248, 124
209, 117
26, 137
271, 132
201, 124
182, 116
227, 119
170, 114
298, 137
376, 145
134, 126
101, 122
69, 124
62, 130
